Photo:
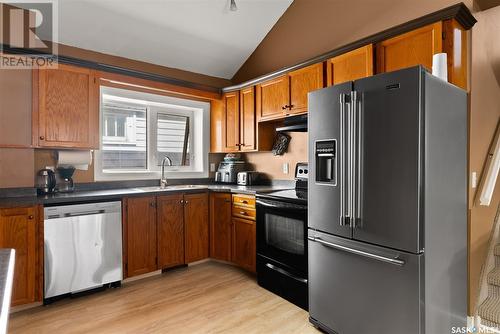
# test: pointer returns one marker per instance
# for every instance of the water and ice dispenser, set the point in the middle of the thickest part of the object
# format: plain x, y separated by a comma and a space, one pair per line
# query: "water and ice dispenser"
326, 164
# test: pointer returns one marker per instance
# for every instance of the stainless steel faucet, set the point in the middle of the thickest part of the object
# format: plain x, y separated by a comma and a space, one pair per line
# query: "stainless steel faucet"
163, 181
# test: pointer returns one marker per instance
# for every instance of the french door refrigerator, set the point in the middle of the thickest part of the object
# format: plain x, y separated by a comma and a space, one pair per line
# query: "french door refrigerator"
387, 212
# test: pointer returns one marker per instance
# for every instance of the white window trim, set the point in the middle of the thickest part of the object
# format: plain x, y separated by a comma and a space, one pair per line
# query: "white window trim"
200, 140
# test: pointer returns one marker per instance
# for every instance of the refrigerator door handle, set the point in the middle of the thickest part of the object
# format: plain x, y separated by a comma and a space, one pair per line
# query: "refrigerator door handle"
342, 150
351, 163
357, 153
396, 261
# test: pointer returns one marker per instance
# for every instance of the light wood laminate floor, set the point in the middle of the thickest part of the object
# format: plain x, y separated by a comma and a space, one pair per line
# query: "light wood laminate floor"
209, 297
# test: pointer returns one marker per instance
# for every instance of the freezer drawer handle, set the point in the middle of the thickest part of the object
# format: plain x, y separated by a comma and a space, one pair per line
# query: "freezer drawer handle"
390, 260
286, 273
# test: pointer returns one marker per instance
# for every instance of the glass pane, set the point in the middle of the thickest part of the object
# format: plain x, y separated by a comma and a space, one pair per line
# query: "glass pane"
173, 139
124, 141
286, 234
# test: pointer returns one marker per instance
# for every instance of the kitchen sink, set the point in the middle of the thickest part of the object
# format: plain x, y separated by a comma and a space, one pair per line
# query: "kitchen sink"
171, 187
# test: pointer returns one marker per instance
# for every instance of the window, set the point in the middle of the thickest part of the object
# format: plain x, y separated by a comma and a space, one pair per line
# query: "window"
138, 130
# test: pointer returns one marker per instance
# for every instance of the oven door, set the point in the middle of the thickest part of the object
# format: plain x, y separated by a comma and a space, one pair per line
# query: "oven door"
282, 232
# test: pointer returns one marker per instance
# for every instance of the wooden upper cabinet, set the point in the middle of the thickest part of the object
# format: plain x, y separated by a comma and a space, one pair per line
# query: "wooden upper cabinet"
455, 44
416, 47
141, 235
196, 227
220, 226
303, 81
170, 220
217, 126
232, 121
18, 230
247, 117
350, 66
273, 97
244, 243
68, 114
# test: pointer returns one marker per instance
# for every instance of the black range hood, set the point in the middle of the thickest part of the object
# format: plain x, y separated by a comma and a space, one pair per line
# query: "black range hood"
294, 124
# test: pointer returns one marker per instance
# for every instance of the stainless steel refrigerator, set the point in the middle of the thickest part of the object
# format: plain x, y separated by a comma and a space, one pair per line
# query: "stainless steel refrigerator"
387, 212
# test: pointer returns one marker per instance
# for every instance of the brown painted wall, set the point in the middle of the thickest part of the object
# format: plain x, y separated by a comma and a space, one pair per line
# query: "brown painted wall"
142, 66
313, 27
16, 167
485, 114
271, 165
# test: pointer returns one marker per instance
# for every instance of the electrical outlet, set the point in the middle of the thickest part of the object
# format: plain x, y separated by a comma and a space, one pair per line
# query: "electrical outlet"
285, 168
473, 180
212, 166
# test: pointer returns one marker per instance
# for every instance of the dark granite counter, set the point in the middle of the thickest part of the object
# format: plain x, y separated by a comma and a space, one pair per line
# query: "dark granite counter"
80, 196
6, 276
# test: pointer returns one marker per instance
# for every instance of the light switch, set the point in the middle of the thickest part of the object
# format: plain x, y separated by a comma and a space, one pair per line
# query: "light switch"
212, 166
285, 168
473, 180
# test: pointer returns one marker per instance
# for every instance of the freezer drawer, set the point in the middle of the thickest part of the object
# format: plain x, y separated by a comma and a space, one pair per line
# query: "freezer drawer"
355, 288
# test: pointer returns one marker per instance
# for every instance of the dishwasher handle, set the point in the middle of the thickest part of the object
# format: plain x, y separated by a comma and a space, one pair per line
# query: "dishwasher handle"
84, 213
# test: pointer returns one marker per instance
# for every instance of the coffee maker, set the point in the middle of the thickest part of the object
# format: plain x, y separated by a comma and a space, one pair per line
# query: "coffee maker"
65, 181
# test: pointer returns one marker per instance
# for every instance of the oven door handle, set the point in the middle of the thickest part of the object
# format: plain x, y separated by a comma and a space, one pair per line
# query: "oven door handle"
286, 273
274, 206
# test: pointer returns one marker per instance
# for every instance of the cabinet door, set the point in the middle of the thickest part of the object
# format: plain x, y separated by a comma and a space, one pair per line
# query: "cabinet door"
232, 107
302, 82
170, 220
217, 126
67, 108
244, 244
350, 66
247, 115
196, 227
220, 226
412, 48
18, 228
141, 235
273, 98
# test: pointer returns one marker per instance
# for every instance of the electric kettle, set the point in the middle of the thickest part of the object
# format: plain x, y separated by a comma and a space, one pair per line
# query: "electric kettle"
46, 181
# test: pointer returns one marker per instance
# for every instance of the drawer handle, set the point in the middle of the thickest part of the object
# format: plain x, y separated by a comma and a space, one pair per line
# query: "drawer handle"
30, 217
243, 213
244, 202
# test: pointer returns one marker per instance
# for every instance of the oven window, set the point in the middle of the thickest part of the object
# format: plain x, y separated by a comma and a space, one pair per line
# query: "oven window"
286, 234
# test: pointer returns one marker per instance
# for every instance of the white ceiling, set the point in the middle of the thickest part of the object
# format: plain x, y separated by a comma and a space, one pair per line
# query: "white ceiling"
201, 36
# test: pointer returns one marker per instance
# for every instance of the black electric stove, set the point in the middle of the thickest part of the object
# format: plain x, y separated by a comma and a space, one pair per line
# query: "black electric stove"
282, 240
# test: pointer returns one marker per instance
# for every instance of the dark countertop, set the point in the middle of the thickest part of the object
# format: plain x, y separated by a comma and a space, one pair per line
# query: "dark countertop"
6, 273
117, 194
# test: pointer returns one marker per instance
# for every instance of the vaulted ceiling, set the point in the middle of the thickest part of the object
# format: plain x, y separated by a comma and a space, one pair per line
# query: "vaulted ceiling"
201, 36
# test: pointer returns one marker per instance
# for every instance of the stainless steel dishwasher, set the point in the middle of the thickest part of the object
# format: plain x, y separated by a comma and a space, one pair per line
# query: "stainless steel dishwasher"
82, 247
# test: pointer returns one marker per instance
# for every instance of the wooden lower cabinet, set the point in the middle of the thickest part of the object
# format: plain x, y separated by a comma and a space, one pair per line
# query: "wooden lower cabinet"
170, 220
141, 233
220, 226
244, 243
19, 230
196, 237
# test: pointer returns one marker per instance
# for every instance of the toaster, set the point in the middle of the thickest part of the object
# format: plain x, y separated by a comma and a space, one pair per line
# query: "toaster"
247, 178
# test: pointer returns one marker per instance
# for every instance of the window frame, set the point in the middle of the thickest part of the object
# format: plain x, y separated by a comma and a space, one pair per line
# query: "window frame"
199, 137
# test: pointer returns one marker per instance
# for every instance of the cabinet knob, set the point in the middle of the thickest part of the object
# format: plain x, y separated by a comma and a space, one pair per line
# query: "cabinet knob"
152, 204
244, 202
42, 137
243, 213
290, 106
181, 201
30, 217
285, 107
186, 202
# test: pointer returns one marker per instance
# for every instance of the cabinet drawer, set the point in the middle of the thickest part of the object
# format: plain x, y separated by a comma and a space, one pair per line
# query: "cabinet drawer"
244, 200
243, 212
